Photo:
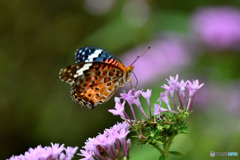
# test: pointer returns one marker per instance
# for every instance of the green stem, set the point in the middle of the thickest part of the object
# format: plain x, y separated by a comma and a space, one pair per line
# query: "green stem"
158, 148
167, 144
170, 140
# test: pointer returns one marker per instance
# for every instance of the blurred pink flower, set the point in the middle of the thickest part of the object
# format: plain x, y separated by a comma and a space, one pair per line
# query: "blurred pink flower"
233, 102
218, 27
220, 96
165, 55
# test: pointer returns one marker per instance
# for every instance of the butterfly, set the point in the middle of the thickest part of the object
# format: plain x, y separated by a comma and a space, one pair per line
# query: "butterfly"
95, 77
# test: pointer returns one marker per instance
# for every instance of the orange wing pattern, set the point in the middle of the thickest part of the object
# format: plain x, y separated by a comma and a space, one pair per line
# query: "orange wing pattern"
93, 83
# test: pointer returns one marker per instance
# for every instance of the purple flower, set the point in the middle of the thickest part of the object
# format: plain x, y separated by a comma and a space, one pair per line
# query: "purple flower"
218, 27
175, 88
108, 145
165, 99
133, 98
158, 110
169, 88
87, 155
182, 86
128, 97
181, 93
193, 87
119, 108
147, 96
54, 152
173, 82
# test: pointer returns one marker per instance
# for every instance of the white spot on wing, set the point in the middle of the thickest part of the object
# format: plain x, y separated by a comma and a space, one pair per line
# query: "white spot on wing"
84, 68
94, 55
98, 51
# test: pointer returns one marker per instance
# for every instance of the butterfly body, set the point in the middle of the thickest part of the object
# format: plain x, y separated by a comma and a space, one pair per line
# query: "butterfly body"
95, 77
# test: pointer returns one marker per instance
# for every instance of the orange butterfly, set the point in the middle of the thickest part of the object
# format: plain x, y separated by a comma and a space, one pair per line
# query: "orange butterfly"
95, 77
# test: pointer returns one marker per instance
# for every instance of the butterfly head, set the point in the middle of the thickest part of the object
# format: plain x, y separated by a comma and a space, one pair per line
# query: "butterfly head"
128, 73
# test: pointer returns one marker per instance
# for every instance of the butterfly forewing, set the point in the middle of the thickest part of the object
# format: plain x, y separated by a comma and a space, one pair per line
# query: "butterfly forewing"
70, 73
95, 54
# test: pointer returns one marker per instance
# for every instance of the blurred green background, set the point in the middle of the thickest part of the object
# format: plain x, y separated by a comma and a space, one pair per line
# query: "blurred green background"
38, 38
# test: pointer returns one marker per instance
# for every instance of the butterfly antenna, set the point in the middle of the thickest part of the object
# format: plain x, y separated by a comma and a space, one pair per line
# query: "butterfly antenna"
136, 79
140, 55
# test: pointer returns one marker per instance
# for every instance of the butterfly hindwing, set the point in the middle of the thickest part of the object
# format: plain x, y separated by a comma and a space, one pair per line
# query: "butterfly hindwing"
96, 87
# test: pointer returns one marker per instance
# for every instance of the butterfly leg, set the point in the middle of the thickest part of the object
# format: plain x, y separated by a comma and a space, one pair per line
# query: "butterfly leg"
131, 85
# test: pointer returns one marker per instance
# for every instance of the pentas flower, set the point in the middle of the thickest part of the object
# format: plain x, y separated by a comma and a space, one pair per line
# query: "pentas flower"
132, 97
192, 88
158, 110
173, 82
159, 128
164, 98
147, 96
54, 152
180, 92
119, 108
112, 144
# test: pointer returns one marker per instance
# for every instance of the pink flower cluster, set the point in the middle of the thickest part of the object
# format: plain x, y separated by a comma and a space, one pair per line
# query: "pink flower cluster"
132, 97
54, 152
109, 144
184, 92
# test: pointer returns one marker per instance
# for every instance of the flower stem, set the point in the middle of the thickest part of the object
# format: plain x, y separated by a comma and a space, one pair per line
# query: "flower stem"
166, 146
158, 148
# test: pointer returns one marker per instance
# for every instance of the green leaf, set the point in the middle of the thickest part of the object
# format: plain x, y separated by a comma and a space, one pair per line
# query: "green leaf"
184, 131
176, 153
162, 157
160, 142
